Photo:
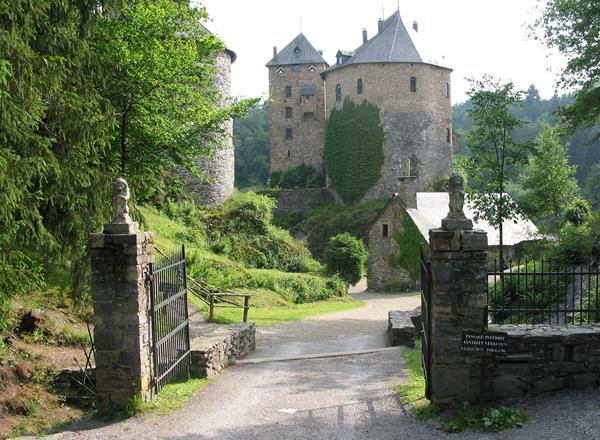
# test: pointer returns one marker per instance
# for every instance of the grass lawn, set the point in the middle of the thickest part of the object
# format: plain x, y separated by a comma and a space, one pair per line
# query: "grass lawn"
262, 316
173, 396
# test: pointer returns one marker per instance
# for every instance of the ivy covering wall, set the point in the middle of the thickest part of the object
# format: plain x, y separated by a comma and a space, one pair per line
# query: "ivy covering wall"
354, 149
409, 241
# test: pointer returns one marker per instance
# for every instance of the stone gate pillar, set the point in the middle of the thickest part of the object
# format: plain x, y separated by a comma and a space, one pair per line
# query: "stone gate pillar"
458, 300
119, 260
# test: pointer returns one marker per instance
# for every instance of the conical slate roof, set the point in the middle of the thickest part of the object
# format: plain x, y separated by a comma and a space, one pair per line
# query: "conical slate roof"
394, 44
299, 51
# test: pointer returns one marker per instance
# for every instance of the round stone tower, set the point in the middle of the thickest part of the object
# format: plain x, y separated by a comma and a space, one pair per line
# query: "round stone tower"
219, 169
394, 71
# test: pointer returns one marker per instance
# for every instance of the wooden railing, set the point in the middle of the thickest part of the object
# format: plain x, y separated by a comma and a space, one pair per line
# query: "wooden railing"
215, 297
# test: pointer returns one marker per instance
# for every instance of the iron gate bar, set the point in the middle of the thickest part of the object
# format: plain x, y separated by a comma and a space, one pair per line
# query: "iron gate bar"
169, 319
550, 295
426, 321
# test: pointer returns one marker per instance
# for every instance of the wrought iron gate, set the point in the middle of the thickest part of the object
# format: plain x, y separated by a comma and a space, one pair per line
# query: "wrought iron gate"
426, 318
169, 319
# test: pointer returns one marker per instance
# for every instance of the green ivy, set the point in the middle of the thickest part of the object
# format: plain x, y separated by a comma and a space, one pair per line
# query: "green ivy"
409, 241
354, 149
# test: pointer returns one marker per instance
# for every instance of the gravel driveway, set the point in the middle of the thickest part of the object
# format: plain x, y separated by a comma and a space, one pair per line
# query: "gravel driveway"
323, 394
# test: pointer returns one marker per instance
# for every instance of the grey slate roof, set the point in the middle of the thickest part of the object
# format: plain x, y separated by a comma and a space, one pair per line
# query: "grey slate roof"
393, 45
299, 51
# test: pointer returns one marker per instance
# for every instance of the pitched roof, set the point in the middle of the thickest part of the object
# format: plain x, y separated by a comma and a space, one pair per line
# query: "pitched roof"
432, 207
394, 44
299, 51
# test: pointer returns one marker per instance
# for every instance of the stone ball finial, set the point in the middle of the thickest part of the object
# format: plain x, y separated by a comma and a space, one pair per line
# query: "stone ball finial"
456, 218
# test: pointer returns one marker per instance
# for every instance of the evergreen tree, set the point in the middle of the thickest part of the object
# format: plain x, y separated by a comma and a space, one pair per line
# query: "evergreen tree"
549, 180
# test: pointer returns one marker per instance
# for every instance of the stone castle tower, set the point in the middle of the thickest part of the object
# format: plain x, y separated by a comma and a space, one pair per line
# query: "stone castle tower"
297, 106
393, 71
220, 168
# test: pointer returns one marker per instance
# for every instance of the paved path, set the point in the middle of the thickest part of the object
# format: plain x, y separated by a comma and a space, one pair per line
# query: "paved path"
341, 397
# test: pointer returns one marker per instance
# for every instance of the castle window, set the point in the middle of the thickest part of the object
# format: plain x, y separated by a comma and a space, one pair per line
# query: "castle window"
384, 230
359, 87
447, 90
338, 92
289, 134
288, 91
288, 112
309, 115
413, 84
295, 67
289, 154
448, 136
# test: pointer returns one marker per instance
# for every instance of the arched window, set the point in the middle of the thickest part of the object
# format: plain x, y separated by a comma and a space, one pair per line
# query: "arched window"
338, 92
359, 87
413, 84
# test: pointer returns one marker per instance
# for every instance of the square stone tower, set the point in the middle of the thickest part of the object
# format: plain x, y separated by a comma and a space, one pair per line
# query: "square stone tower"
297, 106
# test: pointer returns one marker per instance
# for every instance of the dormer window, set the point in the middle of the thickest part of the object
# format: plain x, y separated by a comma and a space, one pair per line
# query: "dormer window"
340, 60
297, 50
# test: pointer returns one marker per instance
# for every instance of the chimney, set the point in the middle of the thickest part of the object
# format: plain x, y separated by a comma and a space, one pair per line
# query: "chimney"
365, 36
407, 189
416, 26
274, 51
379, 25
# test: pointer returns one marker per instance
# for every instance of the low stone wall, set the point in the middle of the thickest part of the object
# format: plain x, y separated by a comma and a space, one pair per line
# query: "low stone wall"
289, 200
545, 358
215, 349
404, 326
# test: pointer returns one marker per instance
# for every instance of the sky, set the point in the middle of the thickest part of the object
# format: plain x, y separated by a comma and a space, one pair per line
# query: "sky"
477, 36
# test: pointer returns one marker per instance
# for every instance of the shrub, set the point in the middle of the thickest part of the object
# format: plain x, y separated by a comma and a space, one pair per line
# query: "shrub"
578, 212
345, 256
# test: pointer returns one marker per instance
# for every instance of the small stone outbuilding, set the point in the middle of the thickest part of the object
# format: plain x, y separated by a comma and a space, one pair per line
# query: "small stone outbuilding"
421, 212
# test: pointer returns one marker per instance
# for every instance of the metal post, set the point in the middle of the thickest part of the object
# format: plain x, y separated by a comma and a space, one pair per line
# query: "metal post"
246, 307
212, 307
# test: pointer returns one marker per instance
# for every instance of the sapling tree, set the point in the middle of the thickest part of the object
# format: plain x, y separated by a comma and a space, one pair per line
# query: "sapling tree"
495, 154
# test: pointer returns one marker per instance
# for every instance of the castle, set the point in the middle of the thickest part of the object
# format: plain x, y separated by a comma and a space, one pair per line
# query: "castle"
392, 70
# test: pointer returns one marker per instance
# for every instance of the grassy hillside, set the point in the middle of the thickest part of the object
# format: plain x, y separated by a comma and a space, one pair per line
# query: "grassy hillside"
319, 224
236, 247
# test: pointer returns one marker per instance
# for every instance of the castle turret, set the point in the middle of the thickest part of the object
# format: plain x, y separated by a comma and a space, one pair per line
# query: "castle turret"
219, 169
297, 106
395, 71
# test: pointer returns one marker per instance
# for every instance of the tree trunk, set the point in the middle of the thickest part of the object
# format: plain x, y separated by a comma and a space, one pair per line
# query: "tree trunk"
501, 247
123, 143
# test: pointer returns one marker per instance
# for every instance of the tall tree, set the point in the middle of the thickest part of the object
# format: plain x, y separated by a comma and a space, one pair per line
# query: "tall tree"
162, 86
495, 155
572, 27
251, 140
549, 180
54, 129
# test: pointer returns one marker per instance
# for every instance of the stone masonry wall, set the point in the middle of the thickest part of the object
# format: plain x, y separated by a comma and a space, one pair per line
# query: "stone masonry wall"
415, 124
545, 358
290, 200
381, 275
306, 144
220, 168
121, 318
